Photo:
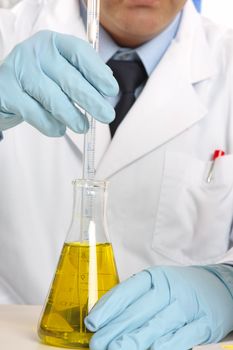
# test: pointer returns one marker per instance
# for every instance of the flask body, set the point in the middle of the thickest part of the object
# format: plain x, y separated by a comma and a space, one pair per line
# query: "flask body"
86, 270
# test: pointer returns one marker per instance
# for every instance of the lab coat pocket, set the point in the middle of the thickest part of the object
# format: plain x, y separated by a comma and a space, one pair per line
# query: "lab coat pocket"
194, 217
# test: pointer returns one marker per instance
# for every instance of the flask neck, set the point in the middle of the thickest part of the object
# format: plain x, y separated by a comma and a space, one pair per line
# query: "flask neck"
89, 213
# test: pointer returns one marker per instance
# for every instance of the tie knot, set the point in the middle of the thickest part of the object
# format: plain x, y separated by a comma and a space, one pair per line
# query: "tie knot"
129, 74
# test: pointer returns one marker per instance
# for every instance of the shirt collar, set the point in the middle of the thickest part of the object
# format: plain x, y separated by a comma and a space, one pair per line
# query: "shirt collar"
150, 53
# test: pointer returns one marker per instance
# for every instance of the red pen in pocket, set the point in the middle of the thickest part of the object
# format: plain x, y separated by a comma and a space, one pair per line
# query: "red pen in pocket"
217, 154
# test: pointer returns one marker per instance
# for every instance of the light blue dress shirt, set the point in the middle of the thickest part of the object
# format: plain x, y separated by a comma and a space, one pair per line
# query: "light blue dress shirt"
150, 53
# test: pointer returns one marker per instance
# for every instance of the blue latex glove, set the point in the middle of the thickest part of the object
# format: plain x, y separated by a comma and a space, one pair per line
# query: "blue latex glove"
165, 308
43, 75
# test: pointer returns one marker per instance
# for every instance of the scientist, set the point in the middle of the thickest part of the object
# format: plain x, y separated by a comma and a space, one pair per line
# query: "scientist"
170, 222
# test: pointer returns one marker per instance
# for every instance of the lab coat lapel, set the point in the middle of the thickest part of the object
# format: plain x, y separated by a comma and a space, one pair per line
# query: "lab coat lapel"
169, 103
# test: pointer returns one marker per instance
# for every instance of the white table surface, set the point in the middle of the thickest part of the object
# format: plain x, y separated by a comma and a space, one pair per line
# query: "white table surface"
18, 330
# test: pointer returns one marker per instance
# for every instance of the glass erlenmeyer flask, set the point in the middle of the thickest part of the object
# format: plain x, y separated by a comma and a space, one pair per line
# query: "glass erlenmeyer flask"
85, 271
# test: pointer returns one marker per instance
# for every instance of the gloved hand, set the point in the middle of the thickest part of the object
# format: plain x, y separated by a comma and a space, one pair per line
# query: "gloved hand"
43, 75
165, 308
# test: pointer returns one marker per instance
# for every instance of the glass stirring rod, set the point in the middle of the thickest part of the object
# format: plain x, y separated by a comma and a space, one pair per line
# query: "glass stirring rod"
93, 9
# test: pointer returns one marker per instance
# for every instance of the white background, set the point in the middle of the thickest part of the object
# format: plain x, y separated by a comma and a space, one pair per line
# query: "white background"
220, 11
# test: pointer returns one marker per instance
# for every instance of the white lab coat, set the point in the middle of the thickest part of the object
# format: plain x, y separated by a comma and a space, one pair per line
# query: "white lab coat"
161, 210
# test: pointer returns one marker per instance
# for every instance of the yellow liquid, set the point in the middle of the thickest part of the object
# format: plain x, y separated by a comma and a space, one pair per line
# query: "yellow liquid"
83, 275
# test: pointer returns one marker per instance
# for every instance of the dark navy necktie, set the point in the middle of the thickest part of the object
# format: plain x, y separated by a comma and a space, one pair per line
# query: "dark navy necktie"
130, 75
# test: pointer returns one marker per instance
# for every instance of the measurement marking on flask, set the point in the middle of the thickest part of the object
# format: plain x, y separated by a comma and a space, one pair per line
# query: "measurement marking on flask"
70, 295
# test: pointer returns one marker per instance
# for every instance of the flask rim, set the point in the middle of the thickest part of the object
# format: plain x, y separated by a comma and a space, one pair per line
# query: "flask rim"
87, 183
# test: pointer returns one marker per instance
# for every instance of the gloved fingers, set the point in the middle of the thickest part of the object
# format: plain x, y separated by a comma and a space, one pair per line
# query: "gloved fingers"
8, 120
82, 56
119, 298
54, 101
31, 111
78, 89
27, 108
42, 120
195, 333
139, 330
